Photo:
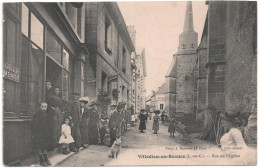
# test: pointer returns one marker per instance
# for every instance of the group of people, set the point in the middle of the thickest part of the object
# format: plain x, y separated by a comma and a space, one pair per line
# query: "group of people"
66, 125
143, 119
69, 125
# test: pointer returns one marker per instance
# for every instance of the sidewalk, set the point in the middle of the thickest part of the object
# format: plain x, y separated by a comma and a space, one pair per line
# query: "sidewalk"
55, 158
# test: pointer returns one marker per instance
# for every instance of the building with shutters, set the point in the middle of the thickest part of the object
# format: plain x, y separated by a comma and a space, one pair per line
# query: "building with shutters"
108, 66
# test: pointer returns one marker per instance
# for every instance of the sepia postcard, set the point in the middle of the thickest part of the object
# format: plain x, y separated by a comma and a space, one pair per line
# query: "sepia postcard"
151, 83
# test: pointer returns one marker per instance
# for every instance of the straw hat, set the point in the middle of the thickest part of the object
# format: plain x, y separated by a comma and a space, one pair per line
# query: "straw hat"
84, 99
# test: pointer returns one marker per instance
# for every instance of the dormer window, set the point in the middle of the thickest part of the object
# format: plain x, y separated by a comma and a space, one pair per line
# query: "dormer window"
192, 45
183, 46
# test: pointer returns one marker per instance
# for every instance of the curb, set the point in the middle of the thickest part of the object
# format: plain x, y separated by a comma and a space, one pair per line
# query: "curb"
69, 156
60, 161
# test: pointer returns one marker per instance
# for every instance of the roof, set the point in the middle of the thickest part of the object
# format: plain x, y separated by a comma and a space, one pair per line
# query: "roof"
162, 89
172, 71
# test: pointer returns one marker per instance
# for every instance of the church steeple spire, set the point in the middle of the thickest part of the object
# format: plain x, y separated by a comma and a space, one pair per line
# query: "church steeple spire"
188, 23
188, 40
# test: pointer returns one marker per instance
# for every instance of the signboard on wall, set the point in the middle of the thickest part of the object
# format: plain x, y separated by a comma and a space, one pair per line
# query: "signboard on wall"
10, 72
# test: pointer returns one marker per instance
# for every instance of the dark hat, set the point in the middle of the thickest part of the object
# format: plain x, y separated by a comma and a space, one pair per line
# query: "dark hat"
157, 111
236, 117
93, 103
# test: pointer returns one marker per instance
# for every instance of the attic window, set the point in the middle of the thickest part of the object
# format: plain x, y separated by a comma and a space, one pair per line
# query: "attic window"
183, 46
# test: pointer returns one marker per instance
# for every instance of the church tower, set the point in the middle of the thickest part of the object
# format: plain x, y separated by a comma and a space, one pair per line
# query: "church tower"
188, 40
179, 78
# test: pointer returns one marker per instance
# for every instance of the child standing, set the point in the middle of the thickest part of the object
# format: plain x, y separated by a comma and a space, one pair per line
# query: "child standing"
171, 127
132, 120
41, 134
66, 137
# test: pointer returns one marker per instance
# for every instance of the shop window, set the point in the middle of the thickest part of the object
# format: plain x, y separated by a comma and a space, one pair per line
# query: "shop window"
108, 36
36, 77
36, 31
25, 20
24, 74
10, 57
124, 60
66, 85
53, 48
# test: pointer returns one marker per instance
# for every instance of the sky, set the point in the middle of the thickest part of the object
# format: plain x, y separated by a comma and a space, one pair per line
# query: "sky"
158, 26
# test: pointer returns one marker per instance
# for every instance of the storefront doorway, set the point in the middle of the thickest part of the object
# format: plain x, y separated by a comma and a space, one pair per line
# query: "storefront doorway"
54, 73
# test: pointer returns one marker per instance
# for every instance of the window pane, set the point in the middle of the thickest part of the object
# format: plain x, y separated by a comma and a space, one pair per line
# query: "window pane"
36, 31
53, 47
25, 17
36, 75
24, 72
66, 86
10, 42
65, 59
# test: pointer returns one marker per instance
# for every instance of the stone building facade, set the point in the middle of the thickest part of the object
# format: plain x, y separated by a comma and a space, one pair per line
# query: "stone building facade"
139, 73
228, 45
140, 80
41, 42
109, 62
200, 77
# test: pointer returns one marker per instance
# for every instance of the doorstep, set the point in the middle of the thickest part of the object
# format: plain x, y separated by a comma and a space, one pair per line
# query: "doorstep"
57, 158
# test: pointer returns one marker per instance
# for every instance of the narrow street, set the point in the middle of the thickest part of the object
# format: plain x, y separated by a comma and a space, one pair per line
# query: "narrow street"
135, 145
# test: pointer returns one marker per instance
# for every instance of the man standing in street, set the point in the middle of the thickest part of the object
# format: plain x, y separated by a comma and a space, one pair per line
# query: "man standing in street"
113, 123
84, 115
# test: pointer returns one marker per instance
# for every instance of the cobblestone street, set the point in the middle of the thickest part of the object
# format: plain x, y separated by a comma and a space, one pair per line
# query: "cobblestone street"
136, 146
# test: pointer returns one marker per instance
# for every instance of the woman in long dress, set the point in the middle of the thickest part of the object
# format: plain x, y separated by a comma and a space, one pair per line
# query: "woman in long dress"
93, 131
56, 105
156, 122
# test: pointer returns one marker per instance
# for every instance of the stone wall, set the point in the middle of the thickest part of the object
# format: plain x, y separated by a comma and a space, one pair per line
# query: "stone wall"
239, 56
216, 54
185, 83
170, 95
202, 74
231, 78
241, 63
